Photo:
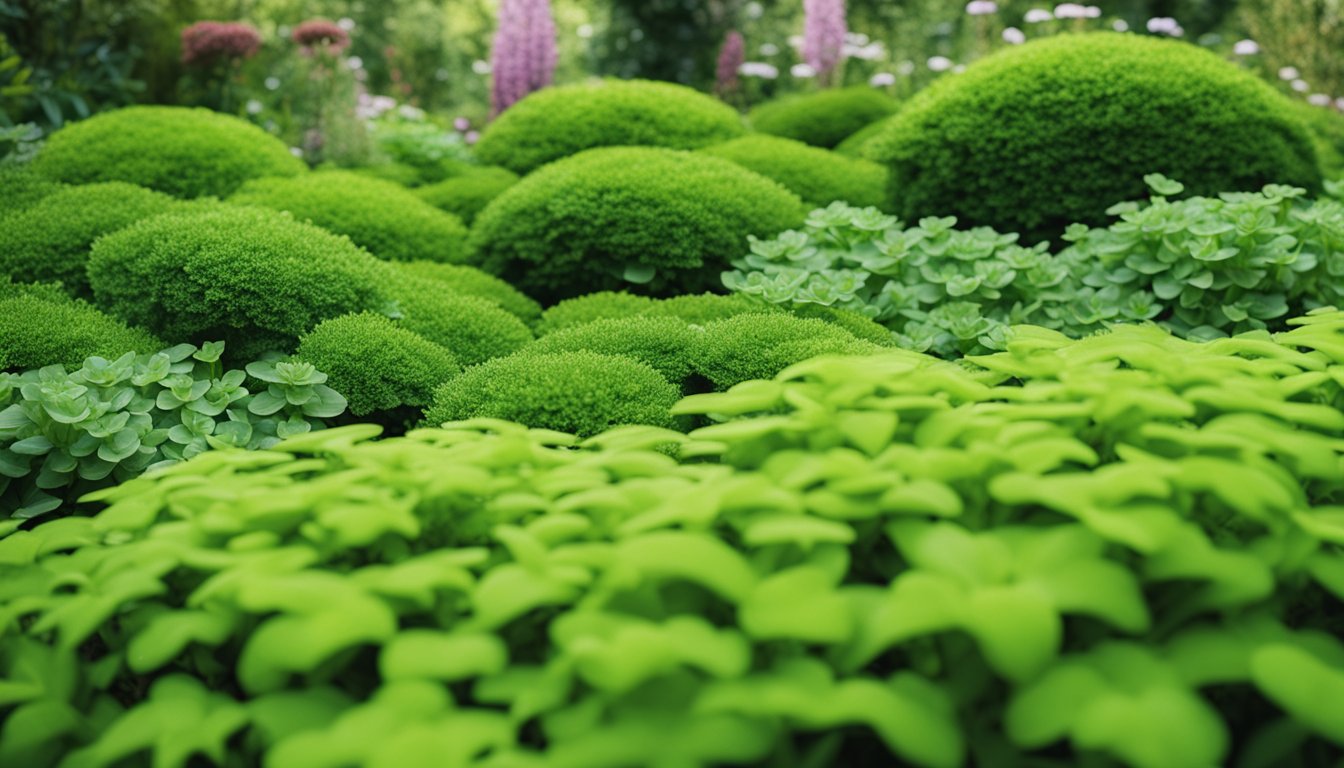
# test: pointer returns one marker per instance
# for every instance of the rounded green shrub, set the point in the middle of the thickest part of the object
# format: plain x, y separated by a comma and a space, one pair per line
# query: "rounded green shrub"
864, 328
602, 305
467, 194
182, 151
50, 239
582, 393
857, 143
825, 118
471, 281
378, 366
1039, 136
397, 173
557, 122
820, 177
388, 220
759, 346
656, 219
473, 328
663, 343
703, 308
255, 278
1327, 136
20, 187
38, 329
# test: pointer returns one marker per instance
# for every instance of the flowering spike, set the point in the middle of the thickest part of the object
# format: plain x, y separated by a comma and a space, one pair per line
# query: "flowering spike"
731, 58
824, 36
524, 56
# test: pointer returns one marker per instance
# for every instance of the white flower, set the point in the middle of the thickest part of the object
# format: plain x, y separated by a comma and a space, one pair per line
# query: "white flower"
906, 68
853, 38
769, 49
411, 113
1289, 73
354, 62
870, 52
758, 69
1301, 86
296, 151
1319, 100
584, 31
957, 70
755, 10
1163, 25
1246, 48
795, 41
254, 107
1339, 103
1092, 12
940, 63
480, 67
1014, 36
882, 79
982, 7
1120, 25
1037, 16
802, 71
1070, 11
272, 83
347, 24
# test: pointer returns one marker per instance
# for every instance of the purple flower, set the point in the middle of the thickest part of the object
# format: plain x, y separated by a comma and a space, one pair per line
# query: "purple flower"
206, 42
824, 36
523, 57
731, 56
320, 33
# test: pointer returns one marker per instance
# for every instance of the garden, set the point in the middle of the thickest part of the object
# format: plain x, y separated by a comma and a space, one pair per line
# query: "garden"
671, 383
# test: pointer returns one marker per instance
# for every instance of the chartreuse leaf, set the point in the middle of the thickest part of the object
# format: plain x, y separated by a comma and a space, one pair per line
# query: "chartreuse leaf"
442, 656
617, 653
1304, 686
356, 735
166, 635
802, 603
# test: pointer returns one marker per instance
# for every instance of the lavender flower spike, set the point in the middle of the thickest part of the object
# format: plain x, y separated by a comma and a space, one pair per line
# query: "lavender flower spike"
824, 36
524, 56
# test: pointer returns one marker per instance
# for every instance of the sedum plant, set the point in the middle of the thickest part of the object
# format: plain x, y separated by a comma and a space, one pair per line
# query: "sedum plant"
65, 432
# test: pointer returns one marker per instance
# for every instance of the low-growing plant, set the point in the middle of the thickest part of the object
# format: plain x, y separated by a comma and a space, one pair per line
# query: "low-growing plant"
664, 343
460, 278
473, 328
758, 346
20, 187
820, 177
40, 325
65, 432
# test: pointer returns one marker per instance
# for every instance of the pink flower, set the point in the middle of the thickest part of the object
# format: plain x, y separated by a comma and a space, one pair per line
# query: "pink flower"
206, 42
824, 32
523, 57
731, 57
320, 33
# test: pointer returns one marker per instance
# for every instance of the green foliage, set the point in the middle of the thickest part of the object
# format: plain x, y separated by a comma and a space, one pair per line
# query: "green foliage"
20, 188
473, 328
253, 277
467, 194
1327, 134
471, 281
818, 176
41, 326
857, 143
659, 219
398, 173
66, 432
391, 222
999, 145
378, 366
50, 239
561, 121
601, 305
703, 308
666, 344
824, 118
180, 151
578, 392
759, 346
435, 153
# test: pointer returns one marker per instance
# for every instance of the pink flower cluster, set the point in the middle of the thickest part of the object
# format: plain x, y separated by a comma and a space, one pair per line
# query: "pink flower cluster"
731, 57
523, 57
321, 33
206, 42
824, 36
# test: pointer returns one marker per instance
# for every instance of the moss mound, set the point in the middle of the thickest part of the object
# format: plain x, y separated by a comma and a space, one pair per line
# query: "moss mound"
467, 194
20, 187
557, 122
182, 151
825, 118
471, 281
759, 346
818, 176
473, 328
1056, 131
666, 344
40, 326
656, 220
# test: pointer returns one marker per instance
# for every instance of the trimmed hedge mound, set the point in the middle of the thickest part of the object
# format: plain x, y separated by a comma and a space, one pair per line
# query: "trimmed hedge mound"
657, 219
758, 346
390, 221
473, 282
466, 195
40, 326
557, 122
50, 239
818, 176
1043, 135
825, 118
665, 344
20, 187
182, 151
473, 328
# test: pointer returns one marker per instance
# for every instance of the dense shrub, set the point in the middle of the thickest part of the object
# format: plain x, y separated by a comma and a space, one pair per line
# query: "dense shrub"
471, 281
473, 328
666, 344
857, 143
818, 176
391, 222
1327, 134
256, 278
862, 326
183, 152
825, 118
759, 346
65, 432
398, 173
50, 239
20, 187
379, 367
580, 392
702, 308
467, 194
601, 305
45, 327
1001, 144
557, 122
659, 219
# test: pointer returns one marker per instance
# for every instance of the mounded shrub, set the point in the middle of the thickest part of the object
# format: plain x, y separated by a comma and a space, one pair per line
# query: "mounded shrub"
473, 328
471, 281
397, 173
864, 328
1327, 134
1043, 135
557, 122
582, 393
379, 367
758, 346
20, 187
857, 144
253, 277
50, 239
703, 308
38, 329
601, 305
182, 151
820, 177
825, 118
388, 220
655, 220
467, 194
666, 344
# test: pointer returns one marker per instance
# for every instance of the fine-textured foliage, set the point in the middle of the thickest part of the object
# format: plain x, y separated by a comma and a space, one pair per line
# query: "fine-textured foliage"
758, 346
580, 392
1327, 133
40, 326
50, 239
390, 221
818, 176
20, 187
856, 145
666, 344
656, 219
557, 122
473, 328
379, 367
471, 281
256, 278
183, 152
825, 118
66, 432
600, 305
467, 194
1043, 135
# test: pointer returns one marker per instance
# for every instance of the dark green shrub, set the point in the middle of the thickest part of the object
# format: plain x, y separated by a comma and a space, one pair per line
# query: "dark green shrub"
256, 278
582, 393
825, 118
659, 219
38, 329
761, 345
20, 187
467, 194
561, 121
1003, 145
388, 220
473, 282
666, 344
473, 328
50, 239
818, 176
183, 152
378, 366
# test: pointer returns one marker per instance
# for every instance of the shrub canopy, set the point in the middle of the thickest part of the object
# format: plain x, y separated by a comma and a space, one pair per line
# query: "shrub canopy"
825, 118
818, 176
467, 194
460, 278
42, 326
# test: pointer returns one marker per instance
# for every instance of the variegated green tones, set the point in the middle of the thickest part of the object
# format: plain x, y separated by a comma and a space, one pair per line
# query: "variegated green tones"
1125, 548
